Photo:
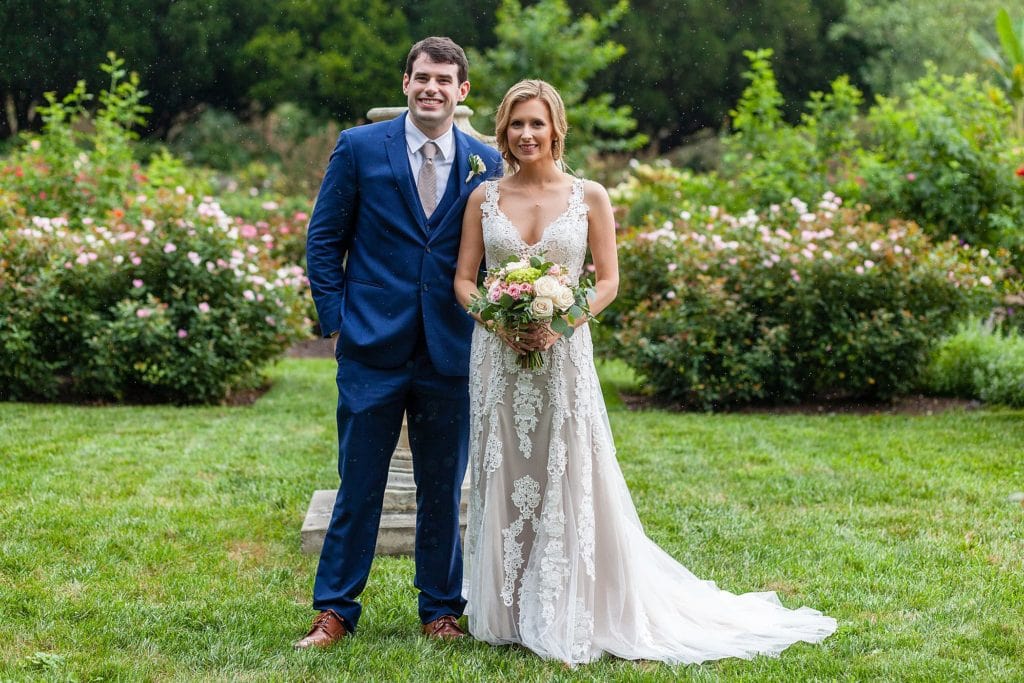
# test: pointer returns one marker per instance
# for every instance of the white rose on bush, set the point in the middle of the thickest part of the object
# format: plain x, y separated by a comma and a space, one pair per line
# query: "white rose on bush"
564, 298
542, 308
547, 286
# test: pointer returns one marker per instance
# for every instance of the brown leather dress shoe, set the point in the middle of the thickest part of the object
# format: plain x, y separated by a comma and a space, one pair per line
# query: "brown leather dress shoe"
327, 629
443, 628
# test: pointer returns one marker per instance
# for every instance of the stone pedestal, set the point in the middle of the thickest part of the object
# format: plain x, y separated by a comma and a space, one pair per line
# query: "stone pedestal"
398, 521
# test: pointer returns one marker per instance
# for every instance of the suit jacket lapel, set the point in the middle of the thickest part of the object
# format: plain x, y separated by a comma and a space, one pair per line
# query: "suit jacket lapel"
398, 157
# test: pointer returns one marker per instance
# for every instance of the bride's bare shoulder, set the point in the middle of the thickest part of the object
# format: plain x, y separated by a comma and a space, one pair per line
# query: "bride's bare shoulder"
595, 195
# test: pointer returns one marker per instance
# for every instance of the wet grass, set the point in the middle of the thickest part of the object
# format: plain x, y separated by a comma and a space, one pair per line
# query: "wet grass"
151, 543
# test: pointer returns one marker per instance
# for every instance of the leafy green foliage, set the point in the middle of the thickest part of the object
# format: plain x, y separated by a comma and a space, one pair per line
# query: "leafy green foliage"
467, 22
788, 304
545, 41
176, 307
283, 151
83, 166
943, 155
901, 37
1008, 63
188, 51
334, 58
682, 69
979, 361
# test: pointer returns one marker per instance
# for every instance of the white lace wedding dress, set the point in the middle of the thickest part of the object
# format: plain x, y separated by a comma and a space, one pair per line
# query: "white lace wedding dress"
556, 557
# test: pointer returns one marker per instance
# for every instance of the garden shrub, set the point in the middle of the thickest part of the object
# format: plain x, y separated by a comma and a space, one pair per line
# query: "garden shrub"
945, 156
179, 307
978, 361
791, 303
117, 282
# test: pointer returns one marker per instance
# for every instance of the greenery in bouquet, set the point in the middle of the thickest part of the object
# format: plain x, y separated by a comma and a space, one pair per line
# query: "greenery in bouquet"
526, 293
796, 302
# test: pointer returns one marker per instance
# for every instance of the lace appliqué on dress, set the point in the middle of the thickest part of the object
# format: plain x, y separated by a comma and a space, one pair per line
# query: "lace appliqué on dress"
526, 497
528, 401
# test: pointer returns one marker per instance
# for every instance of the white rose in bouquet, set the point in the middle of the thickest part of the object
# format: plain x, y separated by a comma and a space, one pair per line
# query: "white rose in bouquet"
542, 308
546, 286
563, 298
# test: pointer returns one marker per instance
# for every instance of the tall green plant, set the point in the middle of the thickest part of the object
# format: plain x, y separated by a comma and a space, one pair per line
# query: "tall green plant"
86, 160
770, 161
1008, 64
545, 41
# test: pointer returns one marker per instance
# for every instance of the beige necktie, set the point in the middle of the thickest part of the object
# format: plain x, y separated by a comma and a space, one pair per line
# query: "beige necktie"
426, 182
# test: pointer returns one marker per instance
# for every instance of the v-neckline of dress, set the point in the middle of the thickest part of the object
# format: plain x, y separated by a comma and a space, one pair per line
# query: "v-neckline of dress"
544, 232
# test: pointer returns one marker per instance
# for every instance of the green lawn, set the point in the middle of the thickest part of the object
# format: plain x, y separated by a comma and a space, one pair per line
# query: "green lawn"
148, 543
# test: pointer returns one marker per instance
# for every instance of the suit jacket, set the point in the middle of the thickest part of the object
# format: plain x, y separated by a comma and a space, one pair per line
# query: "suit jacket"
381, 273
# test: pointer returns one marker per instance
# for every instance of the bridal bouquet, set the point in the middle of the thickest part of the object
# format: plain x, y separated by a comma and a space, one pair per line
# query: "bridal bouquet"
522, 294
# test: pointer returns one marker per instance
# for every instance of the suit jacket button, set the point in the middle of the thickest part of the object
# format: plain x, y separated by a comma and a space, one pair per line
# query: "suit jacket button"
425, 287
428, 250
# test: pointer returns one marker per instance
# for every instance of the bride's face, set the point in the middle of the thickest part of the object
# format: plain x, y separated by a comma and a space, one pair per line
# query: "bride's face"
530, 131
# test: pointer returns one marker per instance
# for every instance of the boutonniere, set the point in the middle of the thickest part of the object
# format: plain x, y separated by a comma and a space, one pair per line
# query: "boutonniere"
476, 166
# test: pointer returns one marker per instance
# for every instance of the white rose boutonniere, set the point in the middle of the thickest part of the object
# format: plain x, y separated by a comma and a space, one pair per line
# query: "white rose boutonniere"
476, 166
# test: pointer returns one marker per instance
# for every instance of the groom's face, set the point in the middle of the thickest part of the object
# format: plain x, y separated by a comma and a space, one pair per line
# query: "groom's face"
433, 91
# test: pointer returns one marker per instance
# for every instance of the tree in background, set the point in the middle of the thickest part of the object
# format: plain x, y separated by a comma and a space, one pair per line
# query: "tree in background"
902, 36
335, 58
683, 66
186, 51
544, 41
467, 22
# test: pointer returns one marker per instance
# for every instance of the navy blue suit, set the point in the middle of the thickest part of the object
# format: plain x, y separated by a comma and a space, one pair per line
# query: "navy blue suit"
381, 274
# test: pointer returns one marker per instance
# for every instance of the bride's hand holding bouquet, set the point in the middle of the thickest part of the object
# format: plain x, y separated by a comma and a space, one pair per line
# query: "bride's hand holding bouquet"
528, 303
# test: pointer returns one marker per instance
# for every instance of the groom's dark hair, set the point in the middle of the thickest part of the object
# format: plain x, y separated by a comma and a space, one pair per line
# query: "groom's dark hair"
440, 50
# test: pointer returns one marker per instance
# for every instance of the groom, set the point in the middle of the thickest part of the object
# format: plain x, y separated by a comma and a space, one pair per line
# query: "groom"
381, 251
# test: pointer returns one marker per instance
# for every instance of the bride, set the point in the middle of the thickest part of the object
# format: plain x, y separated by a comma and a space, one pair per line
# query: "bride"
557, 560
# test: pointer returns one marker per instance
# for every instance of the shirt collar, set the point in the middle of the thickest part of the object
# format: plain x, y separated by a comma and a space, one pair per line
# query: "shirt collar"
414, 138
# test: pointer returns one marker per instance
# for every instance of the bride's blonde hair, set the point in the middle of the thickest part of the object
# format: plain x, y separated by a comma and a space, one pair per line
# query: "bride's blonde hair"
521, 92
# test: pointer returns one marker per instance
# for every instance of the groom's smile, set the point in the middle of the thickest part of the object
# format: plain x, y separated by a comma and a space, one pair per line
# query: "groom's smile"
433, 91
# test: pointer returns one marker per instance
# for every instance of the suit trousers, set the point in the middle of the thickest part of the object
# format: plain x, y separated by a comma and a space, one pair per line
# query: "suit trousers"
371, 403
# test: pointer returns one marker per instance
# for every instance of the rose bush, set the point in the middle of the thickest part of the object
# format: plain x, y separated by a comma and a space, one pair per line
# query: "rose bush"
122, 280
795, 302
178, 307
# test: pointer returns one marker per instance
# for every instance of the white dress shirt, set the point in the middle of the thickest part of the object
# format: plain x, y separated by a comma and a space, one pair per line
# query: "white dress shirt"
443, 160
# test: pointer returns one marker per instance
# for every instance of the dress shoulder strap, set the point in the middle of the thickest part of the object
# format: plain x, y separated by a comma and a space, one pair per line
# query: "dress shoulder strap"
577, 197
490, 203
